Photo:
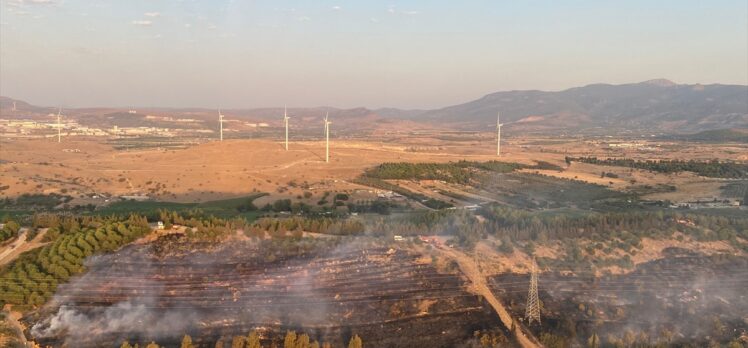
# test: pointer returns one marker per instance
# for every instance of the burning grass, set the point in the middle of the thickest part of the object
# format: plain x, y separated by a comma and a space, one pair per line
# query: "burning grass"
147, 292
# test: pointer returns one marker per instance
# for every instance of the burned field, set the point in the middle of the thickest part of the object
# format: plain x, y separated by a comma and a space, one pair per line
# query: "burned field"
532, 191
683, 299
171, 287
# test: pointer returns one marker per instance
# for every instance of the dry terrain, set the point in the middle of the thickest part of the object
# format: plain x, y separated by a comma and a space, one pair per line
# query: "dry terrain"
86, 168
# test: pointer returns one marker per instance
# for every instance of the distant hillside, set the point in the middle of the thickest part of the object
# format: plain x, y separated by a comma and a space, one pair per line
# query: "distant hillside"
656, 105
718, 136
22, 108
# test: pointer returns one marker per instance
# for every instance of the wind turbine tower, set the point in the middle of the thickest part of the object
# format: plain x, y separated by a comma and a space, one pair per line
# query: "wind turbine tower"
59, 126
285, 122
220, 123
14, 107
327, 138
498, 134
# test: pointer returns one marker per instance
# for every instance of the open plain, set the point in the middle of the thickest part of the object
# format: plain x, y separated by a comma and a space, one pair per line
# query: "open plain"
84, 168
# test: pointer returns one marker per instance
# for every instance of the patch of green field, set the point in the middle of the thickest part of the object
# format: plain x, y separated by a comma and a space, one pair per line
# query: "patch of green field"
737, 189
142, 208
525, 190
151, 142
17, 215
224, 208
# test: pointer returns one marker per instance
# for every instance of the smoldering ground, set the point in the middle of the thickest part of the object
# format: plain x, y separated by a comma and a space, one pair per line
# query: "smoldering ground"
673, 301
169, 288
137, 294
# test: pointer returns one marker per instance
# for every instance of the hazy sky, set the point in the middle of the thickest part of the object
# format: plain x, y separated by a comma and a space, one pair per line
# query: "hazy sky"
408, 54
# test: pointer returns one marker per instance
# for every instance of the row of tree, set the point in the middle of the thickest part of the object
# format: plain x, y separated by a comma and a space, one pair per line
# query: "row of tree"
33, 277
324, 225
454, 172
526, 225
713, 168
252, 340
10, 229
624, 229
34, 201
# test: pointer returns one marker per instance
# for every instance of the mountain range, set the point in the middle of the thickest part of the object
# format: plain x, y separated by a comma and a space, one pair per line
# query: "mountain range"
653, 106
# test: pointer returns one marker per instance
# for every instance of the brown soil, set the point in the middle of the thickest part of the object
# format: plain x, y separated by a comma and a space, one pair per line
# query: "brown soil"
216, 170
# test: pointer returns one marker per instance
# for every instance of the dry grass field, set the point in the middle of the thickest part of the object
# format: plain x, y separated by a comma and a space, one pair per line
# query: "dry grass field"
207, 171
83, 168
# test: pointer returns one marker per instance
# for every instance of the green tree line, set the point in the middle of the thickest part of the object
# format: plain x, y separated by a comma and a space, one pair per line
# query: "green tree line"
460, 172
34, 276
10, 229
713, 168
253, 340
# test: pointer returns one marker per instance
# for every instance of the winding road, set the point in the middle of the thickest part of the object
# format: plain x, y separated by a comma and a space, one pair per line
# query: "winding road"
479, 286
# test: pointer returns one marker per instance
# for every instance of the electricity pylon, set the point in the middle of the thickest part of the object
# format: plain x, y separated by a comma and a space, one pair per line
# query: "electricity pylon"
532, 311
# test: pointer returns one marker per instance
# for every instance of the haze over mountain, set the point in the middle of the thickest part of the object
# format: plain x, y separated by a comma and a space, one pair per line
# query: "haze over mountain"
655, 105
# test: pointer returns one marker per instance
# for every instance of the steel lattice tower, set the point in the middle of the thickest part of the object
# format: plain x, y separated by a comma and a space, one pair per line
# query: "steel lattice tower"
532, 311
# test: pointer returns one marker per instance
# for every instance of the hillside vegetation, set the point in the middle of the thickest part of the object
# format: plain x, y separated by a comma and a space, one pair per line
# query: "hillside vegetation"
33, 278
713, 168
453, 172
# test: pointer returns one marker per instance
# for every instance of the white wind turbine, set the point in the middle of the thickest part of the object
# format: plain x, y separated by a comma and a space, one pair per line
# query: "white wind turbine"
285, 121
498, 134
220, 123
327, 138
59, 126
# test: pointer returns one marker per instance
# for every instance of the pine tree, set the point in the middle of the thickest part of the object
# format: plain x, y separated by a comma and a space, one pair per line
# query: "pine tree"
187, 342
593, 341
237, 342
152, 345
302, 341
355, 342
485, 340
253, 340
290, 340
219, 343
125, 344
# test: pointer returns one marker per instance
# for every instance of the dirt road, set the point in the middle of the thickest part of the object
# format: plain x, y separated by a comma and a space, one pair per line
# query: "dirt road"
479, 286
20, 245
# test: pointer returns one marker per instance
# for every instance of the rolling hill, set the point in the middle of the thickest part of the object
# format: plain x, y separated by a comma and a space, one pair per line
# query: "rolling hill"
656, 106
